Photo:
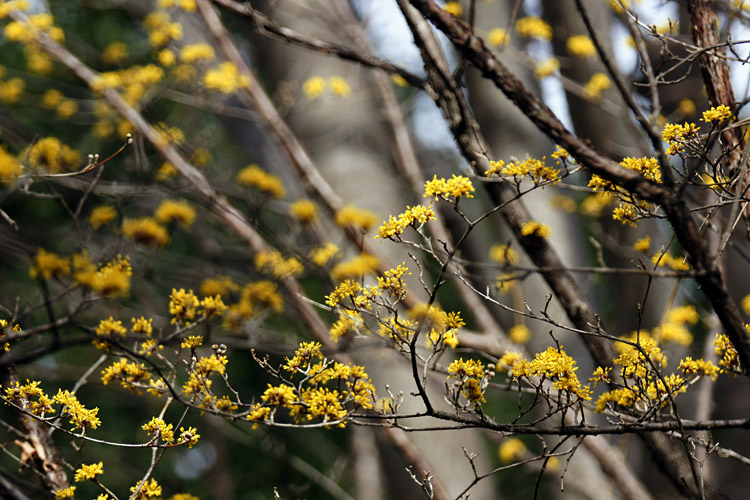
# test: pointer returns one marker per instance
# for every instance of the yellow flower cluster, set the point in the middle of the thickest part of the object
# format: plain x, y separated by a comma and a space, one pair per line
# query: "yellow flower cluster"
160, 29
511, 449
50, 155
718, 114
175, 211
63, 493
101, 215
453, 8
554, 365
534, 27
254, 297
159, 429
54, 99
594, 204
12, 5
114, 53
148, 489
728, 356
670, 261
314, 399
321, 255
536, 229
7, 328
535, 169
355, 267
225, 78
197, 52
580, 46
357, 218
219, 285
11, 90
111, 279
699, 367
198, 384
133, 82
392, 281
186, 5
519, 334
594, 88
413, 216
10, 167
47, 265
146, 231
254, 176
470, 380
131, 375
316, 87
455, 187
183, 306
26, 32
272, 262
34, 400
547, 67
504, 254
498, 37
305, 211
677, 136
346, 326
443, 326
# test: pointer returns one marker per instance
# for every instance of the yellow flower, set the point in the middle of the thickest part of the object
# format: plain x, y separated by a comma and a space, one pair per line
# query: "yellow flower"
718, 114
686, 107
114, 53
505, 282
453, 8
183, 306
65, 493
149, 488
546, 68
581, 46
102, 215
166, 57
191, 342
254, 176
533, 27
457, 186
86, 472
66, 109
219, 285
354, 268
48, 264
10, 168
643, 244
504, 254
196, 52
146, 231
594, 88
175, 211
314, 87
272, 262
498, 37
225, 78
322, 254
142, 326
511, 449
53, 156
305, 211
536, 229
52, 98
108, 327
339, 86
189, 436
519, 334
416, 216
356, 218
